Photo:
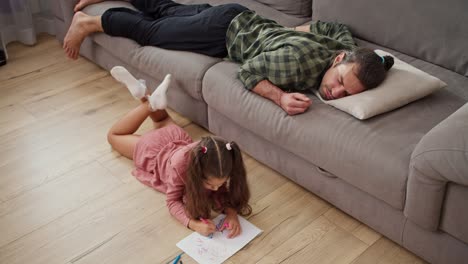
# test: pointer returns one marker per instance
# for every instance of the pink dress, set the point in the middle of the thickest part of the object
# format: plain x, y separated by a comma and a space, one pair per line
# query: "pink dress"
161, 159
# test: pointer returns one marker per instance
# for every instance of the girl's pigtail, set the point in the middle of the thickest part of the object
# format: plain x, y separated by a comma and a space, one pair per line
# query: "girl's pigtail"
239, 193
196, 198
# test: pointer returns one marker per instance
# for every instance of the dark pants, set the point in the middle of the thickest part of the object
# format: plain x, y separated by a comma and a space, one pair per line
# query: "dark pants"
165, 24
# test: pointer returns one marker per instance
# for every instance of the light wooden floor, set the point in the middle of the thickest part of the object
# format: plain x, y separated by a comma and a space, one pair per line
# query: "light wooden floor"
66, 197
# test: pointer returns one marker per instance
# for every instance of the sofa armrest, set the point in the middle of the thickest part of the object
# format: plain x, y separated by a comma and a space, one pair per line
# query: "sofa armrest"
440, 157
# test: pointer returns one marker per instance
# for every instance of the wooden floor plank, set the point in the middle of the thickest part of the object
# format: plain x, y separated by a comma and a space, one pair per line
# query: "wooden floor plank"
47, 164
25, 59
77, 231
69, 98
40, 206
68, 124
366, 234
385, 251
336, 247
312, 233
346, 222
150, 240
281, 214
52, 80
13, 117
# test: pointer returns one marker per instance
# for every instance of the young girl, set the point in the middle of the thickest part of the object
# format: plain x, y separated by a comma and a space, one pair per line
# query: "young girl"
195, 176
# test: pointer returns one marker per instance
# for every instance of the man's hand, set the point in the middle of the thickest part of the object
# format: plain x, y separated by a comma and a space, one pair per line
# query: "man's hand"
291, 103
294, 103
304, 28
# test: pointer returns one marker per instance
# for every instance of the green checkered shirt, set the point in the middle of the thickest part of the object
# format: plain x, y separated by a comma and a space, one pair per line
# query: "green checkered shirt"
291, 60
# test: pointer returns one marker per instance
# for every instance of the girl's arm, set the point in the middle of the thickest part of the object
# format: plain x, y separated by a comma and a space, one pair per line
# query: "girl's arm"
231, 223
174, 202
174, 196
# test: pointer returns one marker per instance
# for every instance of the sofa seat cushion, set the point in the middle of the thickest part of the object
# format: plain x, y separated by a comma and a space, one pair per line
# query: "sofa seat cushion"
261, 9
372, 155
455, 215
187, 68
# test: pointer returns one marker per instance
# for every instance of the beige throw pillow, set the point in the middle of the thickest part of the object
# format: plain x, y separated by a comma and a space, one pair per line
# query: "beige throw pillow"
403, 85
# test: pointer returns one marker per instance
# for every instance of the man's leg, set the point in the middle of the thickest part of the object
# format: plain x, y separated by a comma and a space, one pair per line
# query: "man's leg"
121, 22
154, 8
162, 8
83, 3
82, 25
203, 33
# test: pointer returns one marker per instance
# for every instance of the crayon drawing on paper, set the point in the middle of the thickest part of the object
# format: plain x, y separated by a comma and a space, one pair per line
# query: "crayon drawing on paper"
218, 248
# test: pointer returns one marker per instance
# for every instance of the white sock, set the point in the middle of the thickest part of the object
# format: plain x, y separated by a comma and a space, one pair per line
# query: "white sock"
136, 87
158, 99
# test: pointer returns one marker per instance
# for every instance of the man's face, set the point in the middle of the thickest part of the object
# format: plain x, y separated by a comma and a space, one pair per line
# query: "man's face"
340, 81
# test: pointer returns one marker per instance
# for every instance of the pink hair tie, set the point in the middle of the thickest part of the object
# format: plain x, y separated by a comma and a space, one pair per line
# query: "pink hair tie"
204, 149
228, 146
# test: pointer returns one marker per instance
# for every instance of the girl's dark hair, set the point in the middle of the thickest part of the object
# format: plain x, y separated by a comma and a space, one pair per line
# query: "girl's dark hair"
219, 162
372, 68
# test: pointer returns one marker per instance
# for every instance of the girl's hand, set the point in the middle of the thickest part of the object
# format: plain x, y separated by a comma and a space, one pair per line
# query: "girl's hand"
203, 228
231, 223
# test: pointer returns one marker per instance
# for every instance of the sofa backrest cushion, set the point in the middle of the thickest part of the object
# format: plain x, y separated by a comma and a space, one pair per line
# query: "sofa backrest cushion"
432, 30
299, 8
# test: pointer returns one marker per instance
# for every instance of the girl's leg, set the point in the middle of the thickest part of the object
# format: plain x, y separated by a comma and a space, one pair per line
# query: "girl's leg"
160, 117
121, 135
136, 87
157, 100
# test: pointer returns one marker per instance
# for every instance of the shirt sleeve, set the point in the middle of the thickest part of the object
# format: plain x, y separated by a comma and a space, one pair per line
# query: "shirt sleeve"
280, 67
334, 30
174, 198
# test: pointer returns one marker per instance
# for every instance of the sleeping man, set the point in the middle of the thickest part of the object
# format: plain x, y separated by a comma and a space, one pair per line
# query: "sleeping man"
278, 63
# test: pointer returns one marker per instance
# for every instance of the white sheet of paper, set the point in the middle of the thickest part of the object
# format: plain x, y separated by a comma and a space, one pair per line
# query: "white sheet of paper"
219, 248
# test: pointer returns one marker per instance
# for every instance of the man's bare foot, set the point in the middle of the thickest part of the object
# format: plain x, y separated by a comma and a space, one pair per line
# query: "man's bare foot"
82, 25
84, 3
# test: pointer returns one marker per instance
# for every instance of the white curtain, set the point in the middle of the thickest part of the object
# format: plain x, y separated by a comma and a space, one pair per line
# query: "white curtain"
21, 20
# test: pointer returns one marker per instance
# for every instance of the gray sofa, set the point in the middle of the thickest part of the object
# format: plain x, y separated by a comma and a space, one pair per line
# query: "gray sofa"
403, 173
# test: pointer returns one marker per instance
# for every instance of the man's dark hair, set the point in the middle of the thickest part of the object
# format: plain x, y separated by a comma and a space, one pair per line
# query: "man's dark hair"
372, 68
